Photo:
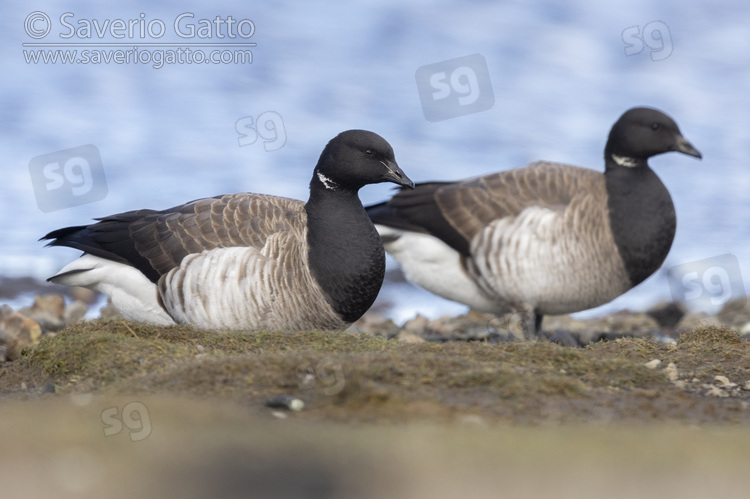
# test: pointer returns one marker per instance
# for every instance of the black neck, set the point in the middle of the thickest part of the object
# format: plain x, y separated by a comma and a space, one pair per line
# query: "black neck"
641, 215
346, 254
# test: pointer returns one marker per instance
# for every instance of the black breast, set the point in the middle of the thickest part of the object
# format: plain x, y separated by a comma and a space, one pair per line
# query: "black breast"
346, 255
642, 218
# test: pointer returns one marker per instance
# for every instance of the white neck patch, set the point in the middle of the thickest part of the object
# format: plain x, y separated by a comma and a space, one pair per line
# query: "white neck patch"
327, 182
624, 161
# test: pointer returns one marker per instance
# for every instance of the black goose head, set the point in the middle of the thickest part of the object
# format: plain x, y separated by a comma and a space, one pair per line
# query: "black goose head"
643, 132
356, 158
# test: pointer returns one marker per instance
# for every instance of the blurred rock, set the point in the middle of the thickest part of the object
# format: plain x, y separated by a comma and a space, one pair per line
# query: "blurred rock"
5, 310
376, 325
405, 336
667, 315
109, 311
723, 382
694, 320
671, 372
417, 325
48, 311
735, 313
19, 332
715, 391
653, 364
566, 338
87, 296
75, 312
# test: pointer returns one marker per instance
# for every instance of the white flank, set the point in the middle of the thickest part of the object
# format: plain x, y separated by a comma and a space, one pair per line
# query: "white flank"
430, 263
131, 291
246, 288
537, 260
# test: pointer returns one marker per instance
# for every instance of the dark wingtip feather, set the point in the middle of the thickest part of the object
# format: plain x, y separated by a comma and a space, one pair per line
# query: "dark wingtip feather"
416, 211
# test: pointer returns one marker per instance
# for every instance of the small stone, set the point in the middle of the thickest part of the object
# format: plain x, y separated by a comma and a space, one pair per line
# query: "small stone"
723, 382
286, 402
715, 391
5, 311
201, 349
671, 372
653, 364
664, 340
87, 296
746, 386
680, 385
473, 420
416, 325
47, 311
19, 332
53, 304
408, 337
649, 393
75, 312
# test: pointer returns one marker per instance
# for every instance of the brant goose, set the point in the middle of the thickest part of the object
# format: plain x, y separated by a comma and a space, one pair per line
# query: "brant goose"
544, 239
247, 261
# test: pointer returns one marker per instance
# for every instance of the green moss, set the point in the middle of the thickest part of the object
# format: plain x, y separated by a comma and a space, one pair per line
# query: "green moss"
359, 376
711, 335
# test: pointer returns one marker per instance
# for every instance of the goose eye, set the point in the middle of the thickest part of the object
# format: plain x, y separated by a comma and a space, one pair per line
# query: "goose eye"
368, 152
655, 126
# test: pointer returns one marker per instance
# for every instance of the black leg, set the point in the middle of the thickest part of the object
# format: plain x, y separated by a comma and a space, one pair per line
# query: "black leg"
538, 318
532, 324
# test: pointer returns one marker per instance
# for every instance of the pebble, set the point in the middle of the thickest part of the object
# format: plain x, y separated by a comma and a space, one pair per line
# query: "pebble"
473, 420
653, 364
715, 391
75, 312
723, 382
48, 311
563, 329
680, 384
671, 372
286, 402
735, 314
19, 332
408, 337
416, 325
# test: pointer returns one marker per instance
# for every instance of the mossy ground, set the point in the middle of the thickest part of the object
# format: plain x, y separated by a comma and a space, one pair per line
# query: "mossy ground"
360, 377
382, 418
